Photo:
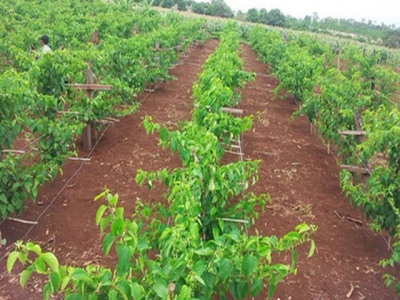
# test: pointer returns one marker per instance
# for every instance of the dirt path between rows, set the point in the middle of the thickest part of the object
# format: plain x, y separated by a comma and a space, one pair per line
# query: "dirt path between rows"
296, 171
302, 179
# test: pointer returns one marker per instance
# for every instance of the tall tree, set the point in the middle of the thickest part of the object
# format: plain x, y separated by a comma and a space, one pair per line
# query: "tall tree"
240, 15
200, 7
155, 2
263, 16
220, 9
276, 18
167, 3
182, 5
391, 38
252, 15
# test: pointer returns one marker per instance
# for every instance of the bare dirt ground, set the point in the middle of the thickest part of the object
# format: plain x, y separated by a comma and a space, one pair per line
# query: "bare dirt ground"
295, 169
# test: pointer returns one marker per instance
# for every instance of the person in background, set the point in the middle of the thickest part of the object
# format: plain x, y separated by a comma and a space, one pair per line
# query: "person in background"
44, 41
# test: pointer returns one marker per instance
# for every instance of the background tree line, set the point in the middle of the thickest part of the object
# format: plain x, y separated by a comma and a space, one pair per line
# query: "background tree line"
363, 31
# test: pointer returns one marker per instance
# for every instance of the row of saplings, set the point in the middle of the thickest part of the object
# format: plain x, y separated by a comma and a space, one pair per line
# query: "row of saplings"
200, 237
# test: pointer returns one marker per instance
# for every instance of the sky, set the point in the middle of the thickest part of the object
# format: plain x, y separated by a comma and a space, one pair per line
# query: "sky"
382, 11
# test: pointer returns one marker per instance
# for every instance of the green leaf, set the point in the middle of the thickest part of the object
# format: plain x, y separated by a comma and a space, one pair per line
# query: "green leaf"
100, 213
117, 226
142, 244
271, 289
104, 223
124, 254
225, 268
163, 134
312, 249
264, 250
47, 291
74, 296
112, 199
40, 266
199, 279
12, 258
249, 265
34, 248
161, 288
65, 282
242, 289
101, 195
233, 290
119, 212
197, 172
55, 281
200, 267
194, 230
124, 289
211, 185
25, 275
51, 260
209, 280
82, 275
302, 228
205, 251
136, 292
112, 295
256, 287
107, 243
3, 198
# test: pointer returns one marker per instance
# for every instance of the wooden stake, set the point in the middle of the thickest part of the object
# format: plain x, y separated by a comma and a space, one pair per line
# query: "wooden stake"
22, 221
358, 222
338, 215
350, 293
79, 158
233, 220
13, 151
338, 60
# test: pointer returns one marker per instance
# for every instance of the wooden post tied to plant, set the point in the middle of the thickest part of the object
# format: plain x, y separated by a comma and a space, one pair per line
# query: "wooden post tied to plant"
338, 58
89, 87
95, 38
180, 46
157, 48
364, 171
236, 147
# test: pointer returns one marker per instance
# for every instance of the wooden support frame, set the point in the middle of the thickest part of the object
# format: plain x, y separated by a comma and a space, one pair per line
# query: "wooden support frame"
232, 110
239, 146
352, 132
89, 87
364, 171
354, 169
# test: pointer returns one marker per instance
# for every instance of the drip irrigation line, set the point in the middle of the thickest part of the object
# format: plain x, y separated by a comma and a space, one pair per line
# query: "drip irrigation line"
66, 184
58, 194
369, 172
356, 154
